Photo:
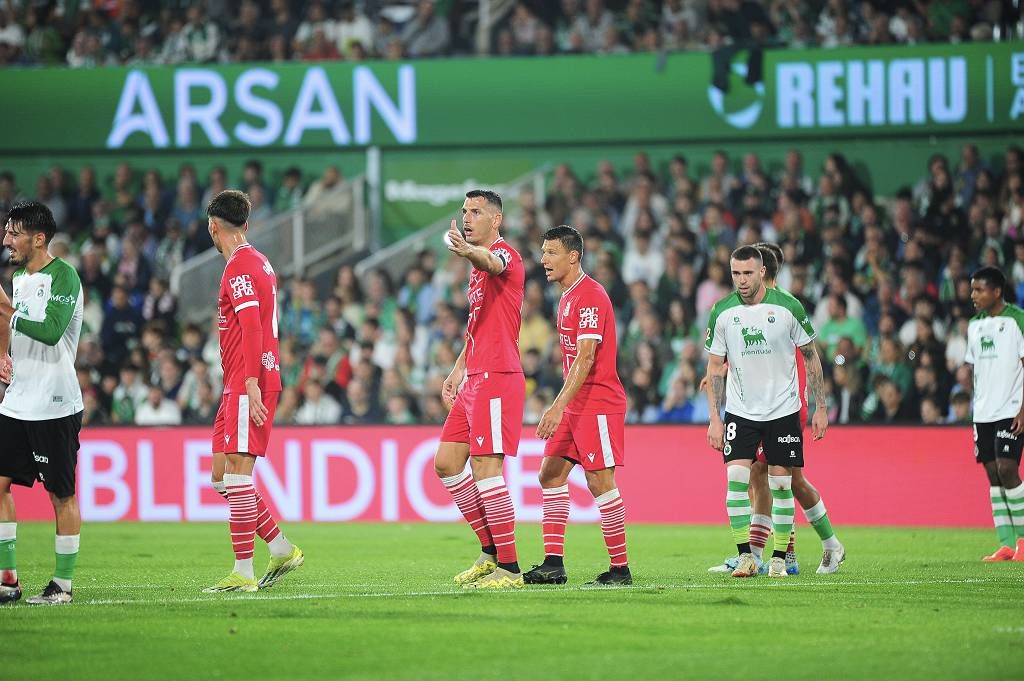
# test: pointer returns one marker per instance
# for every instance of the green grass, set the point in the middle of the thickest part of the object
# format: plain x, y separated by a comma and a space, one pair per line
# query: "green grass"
377, 602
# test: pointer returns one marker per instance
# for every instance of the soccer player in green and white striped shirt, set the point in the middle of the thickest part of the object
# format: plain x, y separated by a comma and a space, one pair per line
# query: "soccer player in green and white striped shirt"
41, 413
995, 348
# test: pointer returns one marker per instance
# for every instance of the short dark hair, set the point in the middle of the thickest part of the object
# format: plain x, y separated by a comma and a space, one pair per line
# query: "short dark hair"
747, 253
491, 197
230, 205
34, 217
992, 276
770, 262
569, 236
776, 250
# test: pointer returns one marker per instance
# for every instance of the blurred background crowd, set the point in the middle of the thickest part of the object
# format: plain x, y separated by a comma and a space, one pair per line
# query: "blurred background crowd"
82, 34
885, 280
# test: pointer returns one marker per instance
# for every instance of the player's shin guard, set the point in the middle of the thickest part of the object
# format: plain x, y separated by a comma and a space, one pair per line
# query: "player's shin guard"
782, 511
737, 505
613, 526
1001, 517
66, 549
817, 516
760, 530
243, 513
8, 554
556, 515
466, 496
1015, 502
501, 517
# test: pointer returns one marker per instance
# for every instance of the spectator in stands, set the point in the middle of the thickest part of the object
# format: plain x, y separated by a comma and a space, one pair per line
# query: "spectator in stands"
427, 34
157, 410
318, 408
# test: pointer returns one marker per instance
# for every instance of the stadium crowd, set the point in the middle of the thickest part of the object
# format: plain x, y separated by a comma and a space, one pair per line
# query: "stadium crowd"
885, 279
147, 32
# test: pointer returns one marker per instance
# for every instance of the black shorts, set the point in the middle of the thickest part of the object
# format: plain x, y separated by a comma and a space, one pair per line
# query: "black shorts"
41, 450
995, 441
782, 438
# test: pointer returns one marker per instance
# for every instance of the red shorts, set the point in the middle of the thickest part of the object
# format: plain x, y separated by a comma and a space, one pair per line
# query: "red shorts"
488, 414
233, 430
595, 441
803, 429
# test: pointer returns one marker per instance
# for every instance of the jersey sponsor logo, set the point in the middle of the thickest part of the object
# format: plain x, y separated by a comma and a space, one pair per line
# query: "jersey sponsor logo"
40, 458
988, 346
57, 399
1005, 435
63, 300
588, 318
241, 286
789, 439
268, 269
567, 341
754, 342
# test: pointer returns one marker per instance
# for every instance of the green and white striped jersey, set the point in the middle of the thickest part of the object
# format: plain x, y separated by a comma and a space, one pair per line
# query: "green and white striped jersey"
995, 346
759, 341
44, 342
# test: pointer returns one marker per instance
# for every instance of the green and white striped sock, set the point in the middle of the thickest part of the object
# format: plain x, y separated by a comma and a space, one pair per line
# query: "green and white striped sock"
737, 504
8, 555
1001, 517
817, 516
1015, 503
67, 553
783, 510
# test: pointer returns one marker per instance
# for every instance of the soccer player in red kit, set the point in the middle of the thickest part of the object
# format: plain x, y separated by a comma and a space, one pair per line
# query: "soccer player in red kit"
585, 424
247, 320
486, 392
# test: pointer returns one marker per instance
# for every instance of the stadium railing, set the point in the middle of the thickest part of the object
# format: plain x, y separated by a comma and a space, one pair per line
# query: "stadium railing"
294, 241
397, 257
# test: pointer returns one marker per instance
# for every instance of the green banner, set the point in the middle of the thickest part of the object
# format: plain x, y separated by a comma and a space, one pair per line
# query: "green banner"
691, 97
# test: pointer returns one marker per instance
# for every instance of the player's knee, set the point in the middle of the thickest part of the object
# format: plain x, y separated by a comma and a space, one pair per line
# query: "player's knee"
1007, 471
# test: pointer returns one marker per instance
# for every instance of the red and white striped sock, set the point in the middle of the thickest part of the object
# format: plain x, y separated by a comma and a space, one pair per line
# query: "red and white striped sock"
242, 510
613, 526
268, 531
556, 515
220, 488
760, 530
466, 496
501, 516
792, 541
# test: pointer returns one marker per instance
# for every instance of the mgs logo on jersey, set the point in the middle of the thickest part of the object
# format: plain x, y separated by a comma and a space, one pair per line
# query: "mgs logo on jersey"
241, 286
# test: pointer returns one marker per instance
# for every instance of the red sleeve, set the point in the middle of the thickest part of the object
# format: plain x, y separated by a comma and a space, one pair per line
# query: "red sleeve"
591, 321
246, 304
252, 341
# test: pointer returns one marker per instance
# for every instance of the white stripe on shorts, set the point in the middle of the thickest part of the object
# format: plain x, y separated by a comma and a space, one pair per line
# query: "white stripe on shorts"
496, 445
606, 442
243, 424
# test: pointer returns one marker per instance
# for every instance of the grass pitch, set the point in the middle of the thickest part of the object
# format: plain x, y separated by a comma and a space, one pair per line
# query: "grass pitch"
377, 602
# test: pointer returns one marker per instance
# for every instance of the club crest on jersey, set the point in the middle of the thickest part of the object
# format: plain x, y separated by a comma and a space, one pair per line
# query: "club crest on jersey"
241, 286
771, 319
268, 361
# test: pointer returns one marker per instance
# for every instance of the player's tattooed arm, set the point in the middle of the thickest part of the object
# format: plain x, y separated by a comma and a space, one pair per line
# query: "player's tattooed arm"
715, 387
816, 384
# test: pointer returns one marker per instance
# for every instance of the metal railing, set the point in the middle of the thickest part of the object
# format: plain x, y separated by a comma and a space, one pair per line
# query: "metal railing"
293, 241
397, 257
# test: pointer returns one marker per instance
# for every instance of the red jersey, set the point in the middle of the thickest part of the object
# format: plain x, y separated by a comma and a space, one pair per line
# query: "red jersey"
585, 311
248, 341
495, 314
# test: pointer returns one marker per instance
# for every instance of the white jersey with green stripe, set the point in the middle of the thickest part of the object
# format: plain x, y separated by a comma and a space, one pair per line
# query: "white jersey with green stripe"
44, 342
995, 346
759, 342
